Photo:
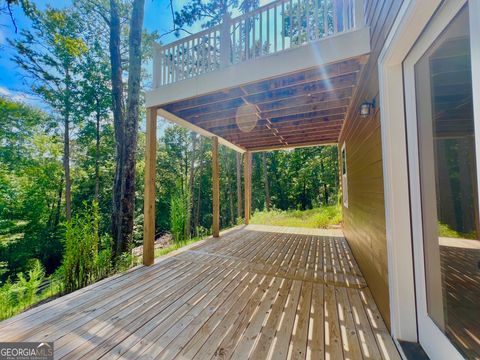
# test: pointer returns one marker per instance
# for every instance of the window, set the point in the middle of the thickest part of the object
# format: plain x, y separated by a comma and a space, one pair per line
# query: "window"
344, 176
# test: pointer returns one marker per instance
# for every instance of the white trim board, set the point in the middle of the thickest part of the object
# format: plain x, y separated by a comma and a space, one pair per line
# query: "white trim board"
346, 45
183, 123
411, 21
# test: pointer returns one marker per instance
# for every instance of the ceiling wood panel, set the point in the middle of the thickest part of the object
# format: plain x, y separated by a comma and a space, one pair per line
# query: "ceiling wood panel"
304, 108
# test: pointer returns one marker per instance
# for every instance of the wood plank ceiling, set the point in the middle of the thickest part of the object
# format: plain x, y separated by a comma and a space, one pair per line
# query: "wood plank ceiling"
300, 109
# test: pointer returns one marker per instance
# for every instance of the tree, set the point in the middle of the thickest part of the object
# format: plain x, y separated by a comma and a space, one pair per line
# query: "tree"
7, 8
95, 92
265, 181
125, 119
50, 54
210, 12
30, 188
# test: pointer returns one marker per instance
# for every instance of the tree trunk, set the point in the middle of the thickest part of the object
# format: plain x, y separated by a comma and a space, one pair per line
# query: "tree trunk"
118, 118
239, 186
265, 181
325, 194
191, 179
56, 219
97, 157
126, 126
66, 168
304, 195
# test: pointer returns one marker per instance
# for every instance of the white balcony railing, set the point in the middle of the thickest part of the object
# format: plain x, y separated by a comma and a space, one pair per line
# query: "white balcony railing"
272, 28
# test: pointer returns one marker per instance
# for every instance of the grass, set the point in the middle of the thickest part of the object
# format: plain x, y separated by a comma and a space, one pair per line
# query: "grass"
179, 244
324, 217
445, 231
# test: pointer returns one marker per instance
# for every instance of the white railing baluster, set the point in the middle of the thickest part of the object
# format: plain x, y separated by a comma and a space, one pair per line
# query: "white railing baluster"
335, 16
359, 13
325, 18
307, 19
299, 23
275, 35
283, 26
268, 32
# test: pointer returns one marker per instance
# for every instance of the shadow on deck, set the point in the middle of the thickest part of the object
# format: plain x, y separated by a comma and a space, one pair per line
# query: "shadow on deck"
258, 292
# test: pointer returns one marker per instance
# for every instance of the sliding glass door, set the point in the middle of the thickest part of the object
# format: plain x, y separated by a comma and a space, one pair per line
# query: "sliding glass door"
443, 130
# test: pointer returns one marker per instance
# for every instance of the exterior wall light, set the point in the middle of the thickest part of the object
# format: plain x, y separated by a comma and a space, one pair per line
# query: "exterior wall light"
366, 108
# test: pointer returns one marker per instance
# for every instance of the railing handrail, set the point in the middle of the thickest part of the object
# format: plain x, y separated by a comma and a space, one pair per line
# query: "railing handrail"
258, 10
191, 37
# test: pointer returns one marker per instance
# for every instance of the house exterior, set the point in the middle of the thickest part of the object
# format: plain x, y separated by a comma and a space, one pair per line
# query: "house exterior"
396, 84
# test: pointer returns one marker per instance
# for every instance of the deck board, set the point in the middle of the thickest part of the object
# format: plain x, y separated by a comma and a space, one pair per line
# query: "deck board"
258, 292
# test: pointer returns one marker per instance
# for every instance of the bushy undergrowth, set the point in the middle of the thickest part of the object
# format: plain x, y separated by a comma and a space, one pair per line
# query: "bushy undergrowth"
179, 213
24, 292
85, 261
323, 217
177, 245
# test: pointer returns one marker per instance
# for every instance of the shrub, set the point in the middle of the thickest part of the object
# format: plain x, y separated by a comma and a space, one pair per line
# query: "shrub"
322, 217
179, 213
15, 297
83, 263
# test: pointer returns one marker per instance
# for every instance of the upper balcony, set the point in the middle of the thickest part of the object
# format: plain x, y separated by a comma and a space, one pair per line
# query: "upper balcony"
281, 56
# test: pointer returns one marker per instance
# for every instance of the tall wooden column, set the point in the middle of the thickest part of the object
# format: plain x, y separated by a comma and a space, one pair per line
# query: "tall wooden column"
149, 198
247, 173
215, 189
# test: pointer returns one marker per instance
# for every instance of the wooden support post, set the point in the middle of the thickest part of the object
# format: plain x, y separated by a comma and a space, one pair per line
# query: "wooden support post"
149, 198
247, 173
215, 188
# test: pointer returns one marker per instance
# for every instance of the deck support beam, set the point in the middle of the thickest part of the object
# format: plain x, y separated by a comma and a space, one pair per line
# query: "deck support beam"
149, 200
215, 189
247, 173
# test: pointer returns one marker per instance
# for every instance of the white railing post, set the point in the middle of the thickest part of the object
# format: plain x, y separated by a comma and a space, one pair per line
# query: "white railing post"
359, 13
225, 43
157, 65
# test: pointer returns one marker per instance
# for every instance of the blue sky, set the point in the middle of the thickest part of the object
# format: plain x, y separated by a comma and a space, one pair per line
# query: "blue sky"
157, 17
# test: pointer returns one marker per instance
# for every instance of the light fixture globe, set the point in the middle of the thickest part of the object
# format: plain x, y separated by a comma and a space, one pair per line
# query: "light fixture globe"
365, 109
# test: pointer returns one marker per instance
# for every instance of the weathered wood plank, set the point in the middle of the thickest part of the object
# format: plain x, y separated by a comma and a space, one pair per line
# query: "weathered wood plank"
258, 293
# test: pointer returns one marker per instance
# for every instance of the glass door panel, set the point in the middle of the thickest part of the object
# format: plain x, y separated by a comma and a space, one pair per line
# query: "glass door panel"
448, 185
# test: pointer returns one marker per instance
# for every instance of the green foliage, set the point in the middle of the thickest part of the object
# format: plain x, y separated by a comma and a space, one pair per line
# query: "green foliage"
82, 262
177, 245
30, 181
179, 213
445, 231
210, 13
15, 297
64, 57
323, 217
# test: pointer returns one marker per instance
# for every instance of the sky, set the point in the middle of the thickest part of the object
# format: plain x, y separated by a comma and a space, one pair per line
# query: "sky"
157, 17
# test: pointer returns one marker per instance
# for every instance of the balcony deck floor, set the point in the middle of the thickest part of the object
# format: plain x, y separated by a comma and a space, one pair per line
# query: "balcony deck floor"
256, 293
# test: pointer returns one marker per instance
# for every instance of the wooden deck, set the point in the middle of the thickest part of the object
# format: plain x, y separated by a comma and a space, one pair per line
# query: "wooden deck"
256, 293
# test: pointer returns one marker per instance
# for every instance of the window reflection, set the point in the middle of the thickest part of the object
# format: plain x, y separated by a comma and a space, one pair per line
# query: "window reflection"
449, 186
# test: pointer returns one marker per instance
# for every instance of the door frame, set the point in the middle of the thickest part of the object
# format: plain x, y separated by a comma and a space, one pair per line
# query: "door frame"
430, 336
412, 19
